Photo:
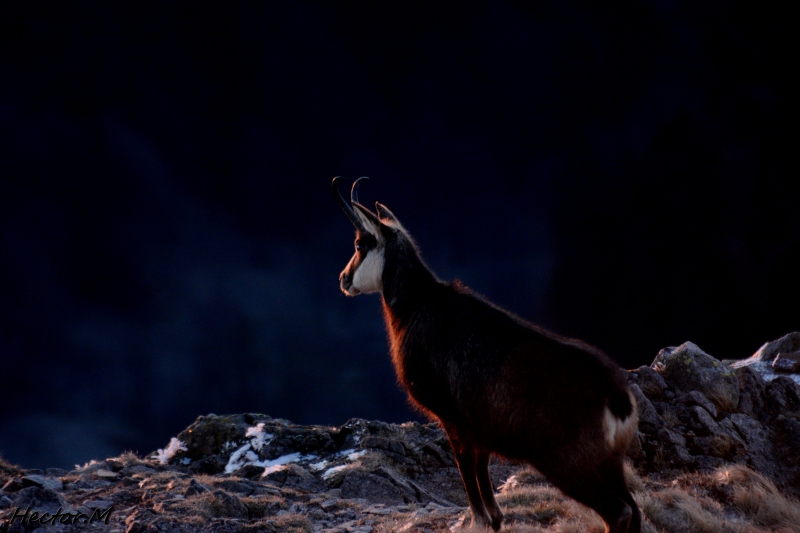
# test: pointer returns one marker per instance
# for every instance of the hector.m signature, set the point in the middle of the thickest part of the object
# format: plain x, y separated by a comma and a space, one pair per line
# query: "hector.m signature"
34, 517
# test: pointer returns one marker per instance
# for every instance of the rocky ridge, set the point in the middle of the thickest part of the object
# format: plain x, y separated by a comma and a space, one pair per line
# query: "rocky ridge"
705, 425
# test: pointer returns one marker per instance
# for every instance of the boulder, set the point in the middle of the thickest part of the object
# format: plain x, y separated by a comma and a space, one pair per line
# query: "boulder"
786, 344
696, 398
787, 362
222, 504
42, 500
649, 381
688, 368
45, 482
376, 489
211, 434
649, 419
762, 361
751, 391
782, 395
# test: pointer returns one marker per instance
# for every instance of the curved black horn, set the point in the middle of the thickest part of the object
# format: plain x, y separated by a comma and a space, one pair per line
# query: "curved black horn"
346, 208
354, 190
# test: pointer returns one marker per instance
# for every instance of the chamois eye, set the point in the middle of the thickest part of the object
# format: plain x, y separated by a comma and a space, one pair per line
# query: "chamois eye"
360, 247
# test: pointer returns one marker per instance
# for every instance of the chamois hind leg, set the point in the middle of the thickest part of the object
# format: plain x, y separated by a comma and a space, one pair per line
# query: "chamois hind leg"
487, 491
613, 472
466, 459
592, 491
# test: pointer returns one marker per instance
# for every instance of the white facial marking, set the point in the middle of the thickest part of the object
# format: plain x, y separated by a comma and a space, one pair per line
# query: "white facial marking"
369, 274
619, 432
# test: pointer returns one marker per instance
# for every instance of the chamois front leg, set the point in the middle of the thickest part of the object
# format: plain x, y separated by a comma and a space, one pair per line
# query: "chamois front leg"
467, 460
487, 491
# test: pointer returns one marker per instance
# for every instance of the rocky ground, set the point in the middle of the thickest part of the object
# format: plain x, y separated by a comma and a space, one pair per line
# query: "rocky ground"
718, 450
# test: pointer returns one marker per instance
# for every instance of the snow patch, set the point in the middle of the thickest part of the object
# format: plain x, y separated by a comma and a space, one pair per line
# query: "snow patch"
331, 471
274, 468
245, 454
355, 455
239, 458
318, 466
351, 453
165, 454
260, 438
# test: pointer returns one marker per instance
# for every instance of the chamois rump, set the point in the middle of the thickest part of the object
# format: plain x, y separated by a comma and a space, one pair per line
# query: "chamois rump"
496, 383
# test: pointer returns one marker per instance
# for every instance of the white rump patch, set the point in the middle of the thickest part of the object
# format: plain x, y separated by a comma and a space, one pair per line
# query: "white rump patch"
618, 432
369, 274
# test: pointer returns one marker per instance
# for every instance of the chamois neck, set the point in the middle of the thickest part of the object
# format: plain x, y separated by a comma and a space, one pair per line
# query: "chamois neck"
406, 280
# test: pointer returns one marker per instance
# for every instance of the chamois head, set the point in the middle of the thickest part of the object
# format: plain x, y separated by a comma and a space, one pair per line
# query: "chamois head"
364, 272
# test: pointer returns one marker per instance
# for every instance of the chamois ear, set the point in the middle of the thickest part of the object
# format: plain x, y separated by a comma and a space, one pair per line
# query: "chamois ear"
369, 219
386, 216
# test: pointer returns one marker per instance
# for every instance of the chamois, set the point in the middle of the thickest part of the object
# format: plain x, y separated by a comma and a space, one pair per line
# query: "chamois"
496, 383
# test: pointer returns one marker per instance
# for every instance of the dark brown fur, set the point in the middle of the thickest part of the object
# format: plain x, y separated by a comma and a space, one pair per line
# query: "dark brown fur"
498, 384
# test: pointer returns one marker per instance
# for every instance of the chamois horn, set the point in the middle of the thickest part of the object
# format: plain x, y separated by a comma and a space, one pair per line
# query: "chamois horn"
354, 190
346, 208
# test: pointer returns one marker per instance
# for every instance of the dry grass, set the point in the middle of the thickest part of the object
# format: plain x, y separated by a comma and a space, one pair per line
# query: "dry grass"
130, 458
292, 523
759, 499
731, 500
721, 399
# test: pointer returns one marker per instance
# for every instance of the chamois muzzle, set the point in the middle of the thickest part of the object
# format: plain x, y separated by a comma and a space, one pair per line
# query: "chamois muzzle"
346, 208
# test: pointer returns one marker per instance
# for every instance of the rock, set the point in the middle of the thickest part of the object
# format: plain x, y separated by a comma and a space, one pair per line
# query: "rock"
298, 478
649, 419
295, 477
398, 480
751, 391
41, 500
13, 485
761, 361
696, 398
105, 475
436, 451
208, 465
195, 487
391, 445
223, 504
787, 344
56, 472
759, 446
209, 435
358, 484
723, 444
115, 464
688, 368
328, 506
318, 443
649, 381
138, 469
787, 362
98, 504
231, 485
249, 471
782, 395
789, 429
702, 421
706, 463
671, 438
46, 482
5, 502
679, 457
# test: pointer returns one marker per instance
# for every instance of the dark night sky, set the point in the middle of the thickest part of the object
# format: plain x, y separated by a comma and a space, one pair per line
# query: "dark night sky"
618, 172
